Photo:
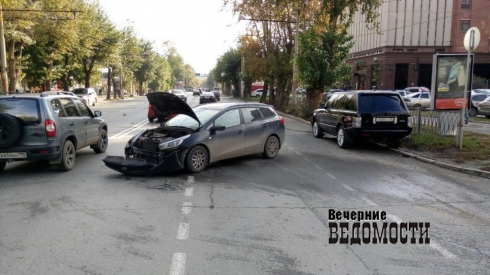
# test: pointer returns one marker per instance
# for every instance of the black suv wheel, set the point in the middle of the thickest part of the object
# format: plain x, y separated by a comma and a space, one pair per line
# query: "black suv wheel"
10, 130
343, 139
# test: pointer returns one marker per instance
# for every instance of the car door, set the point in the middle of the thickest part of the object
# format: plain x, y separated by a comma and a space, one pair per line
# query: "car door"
230, 142
333, 113
73, 122
256, 129
91, 124
323, 115
425, 100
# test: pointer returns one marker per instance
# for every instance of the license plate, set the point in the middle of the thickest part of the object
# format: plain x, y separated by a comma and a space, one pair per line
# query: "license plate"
384, 119
13, 155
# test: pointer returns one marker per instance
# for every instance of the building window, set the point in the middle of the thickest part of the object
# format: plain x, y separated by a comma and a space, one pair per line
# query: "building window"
465, 4
464, 25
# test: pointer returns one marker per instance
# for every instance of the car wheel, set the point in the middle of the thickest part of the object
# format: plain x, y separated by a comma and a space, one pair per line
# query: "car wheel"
68, 155
10, 130
487, 116
271, 147
95, 101
473, 112
2, 165
316, 130
342, 138
417, 106
102, 143
196, 159
151, 119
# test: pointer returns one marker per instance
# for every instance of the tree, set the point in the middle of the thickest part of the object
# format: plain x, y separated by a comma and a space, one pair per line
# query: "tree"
162, 78
229, 64
177, 63
146, 70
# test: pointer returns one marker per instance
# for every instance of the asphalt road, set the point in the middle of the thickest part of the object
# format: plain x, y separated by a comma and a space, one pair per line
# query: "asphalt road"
242, 216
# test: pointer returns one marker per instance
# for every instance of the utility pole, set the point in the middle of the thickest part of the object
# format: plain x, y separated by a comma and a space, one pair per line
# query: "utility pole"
3, 55
295, 66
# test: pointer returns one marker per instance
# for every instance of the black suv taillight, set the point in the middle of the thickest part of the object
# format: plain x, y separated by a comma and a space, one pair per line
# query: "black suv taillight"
50, 127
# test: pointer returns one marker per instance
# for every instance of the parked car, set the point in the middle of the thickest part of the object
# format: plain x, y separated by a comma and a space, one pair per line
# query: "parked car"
207, 97
476, 99
484, 107
256, 93
88, 95
181, 94
418, 100
417, 89
481, 91
356, 115
327, 95
199, 136
403, 93
48, 126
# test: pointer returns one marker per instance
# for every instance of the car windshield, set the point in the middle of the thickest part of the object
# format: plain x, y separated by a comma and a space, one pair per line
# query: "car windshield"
80, 91
204, 115
381, 103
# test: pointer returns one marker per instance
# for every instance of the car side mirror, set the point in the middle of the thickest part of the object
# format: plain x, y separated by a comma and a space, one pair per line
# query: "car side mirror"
97, 113
217, 128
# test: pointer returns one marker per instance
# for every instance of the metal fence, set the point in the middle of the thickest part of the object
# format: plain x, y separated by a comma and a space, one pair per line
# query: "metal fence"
443, 123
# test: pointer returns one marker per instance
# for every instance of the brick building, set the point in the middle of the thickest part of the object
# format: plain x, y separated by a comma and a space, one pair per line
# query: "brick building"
412, 31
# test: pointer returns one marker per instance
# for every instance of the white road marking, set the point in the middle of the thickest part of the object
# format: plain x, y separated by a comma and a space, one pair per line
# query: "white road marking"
297, 153
307, 160
129, 130
318, 167
330, 175
178, 264
190, 179
444, 252
348, 187
183, 231
189, 191
290, 148
369, 202
186, 208
441, 250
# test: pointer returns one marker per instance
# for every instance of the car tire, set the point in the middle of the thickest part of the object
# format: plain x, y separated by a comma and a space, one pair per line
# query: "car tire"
487, 116
151, 119
316, 130
2, 165
196, 159
10, 130
95, 101
416, 106
68, 156
102, 143
473, 112
271, 147
343, 139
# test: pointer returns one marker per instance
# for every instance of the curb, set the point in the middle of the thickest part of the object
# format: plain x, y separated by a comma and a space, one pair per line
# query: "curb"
469, 171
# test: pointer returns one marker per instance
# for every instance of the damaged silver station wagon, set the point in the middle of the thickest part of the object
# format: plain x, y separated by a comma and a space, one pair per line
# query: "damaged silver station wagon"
197, 137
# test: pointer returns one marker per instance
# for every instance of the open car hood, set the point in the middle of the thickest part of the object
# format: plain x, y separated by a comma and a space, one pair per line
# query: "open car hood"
165, 104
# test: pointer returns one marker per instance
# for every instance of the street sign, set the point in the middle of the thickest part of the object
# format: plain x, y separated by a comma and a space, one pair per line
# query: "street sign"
471, 39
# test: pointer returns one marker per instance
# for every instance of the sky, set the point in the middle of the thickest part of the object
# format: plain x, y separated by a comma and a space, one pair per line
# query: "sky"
200, 30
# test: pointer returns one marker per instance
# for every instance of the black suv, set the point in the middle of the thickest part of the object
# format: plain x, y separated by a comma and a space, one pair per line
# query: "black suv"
50, 126
358, 115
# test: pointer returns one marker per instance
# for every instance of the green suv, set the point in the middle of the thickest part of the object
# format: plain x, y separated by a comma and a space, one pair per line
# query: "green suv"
50, 126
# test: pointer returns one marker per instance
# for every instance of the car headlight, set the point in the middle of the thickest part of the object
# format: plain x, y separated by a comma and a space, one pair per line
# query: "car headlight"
410, 121
173, 143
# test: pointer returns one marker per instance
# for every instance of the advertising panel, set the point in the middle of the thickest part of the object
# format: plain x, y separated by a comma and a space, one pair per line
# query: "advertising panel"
448, 81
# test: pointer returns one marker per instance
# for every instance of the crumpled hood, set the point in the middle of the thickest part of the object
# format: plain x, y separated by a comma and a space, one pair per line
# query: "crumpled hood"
165, 104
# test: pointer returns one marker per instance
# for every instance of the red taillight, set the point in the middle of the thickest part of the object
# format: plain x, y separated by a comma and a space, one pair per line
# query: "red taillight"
281, 120
50, 128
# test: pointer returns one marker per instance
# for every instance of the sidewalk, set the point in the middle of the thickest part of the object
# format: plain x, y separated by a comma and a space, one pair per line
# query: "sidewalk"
476, 167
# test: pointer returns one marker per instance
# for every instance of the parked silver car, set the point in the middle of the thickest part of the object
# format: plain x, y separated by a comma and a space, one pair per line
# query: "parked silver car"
88, 95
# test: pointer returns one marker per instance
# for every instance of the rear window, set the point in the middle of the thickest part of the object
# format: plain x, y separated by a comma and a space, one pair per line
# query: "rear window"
380, 103
80, 91
26, 109
266, 112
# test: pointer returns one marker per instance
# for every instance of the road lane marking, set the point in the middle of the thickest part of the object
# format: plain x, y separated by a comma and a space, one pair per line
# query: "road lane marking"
297, 153
290, 148
330, 175
129, 130
307, 160
186, 208
178, 264
444, 252
189, 191
441, 250
348, 187
318, 167
190, 179
369, 202
183, 231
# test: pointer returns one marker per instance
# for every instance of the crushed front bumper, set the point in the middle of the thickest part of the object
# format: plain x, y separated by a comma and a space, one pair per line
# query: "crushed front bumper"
137, 166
